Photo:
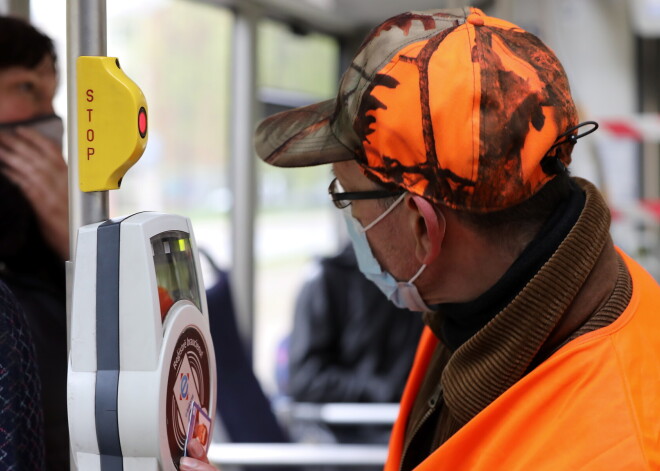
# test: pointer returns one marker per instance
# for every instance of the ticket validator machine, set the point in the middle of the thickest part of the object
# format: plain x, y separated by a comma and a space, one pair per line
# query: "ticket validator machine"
140, 350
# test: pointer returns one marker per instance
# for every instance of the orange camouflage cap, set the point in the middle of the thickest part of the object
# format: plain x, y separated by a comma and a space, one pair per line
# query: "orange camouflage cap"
453, 105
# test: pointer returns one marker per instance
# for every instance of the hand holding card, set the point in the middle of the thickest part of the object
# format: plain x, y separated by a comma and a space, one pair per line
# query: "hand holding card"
197, 460
199, 427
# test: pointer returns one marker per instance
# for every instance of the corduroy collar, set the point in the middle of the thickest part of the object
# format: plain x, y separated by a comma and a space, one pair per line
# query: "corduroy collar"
460, 321
498, 355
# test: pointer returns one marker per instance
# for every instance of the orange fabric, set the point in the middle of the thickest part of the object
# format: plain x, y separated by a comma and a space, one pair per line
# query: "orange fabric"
593, 405
455, 102
452, 105
398, 133
476, 86
427, 344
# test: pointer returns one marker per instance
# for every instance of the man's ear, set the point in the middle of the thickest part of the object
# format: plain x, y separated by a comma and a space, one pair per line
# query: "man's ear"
429, 228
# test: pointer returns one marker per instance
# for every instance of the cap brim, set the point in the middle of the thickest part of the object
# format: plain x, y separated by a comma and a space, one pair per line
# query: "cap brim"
300, 137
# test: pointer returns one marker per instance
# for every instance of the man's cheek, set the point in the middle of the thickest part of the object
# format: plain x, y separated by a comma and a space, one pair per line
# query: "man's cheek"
14, 109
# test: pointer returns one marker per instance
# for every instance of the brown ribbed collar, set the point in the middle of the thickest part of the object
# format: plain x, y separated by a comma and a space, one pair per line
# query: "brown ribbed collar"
497, 356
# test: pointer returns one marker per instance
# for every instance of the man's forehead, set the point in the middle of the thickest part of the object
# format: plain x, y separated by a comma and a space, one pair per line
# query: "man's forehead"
46, 65
12, 74
17, 73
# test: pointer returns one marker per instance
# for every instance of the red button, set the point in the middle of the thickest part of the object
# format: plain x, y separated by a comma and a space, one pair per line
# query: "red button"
142, 122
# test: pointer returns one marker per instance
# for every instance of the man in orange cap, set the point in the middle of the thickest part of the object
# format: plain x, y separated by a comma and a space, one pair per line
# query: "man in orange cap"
450, 140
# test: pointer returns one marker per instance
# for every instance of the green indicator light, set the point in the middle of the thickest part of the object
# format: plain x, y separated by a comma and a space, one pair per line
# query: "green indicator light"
182, 245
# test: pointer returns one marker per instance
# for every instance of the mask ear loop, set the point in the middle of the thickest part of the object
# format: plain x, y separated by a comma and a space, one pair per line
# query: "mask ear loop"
382, 216
416, 275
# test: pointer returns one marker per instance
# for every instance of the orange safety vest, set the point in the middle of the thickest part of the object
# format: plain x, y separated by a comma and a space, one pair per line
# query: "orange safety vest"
593, 405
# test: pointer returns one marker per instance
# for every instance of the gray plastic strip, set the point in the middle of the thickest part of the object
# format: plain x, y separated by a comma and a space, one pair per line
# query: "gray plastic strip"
107, 345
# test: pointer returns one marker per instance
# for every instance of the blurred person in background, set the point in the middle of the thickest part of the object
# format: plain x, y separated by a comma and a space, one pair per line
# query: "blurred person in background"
34, 237
340, 351
450, 140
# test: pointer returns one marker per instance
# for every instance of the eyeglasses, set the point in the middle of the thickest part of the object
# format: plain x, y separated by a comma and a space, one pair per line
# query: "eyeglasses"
343, 199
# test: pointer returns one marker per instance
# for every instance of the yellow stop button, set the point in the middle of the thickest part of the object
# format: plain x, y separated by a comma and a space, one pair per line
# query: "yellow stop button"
112, 123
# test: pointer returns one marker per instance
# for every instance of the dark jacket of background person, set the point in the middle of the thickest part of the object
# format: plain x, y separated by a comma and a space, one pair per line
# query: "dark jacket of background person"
21, 421
35, 274
34, 219
349, 343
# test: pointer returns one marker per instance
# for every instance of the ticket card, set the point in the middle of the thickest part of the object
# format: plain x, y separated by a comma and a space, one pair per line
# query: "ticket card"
199, 427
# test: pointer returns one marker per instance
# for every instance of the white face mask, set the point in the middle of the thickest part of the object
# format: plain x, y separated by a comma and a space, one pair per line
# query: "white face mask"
48, 126
403, 294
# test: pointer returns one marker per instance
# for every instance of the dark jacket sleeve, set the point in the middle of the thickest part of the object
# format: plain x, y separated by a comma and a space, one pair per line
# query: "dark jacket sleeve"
315, 370
21, 420
349, 343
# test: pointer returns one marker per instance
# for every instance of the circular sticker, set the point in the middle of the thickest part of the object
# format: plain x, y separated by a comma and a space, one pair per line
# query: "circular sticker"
188, 381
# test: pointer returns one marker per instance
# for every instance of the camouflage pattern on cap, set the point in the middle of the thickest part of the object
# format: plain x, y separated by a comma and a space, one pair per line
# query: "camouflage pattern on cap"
451, 105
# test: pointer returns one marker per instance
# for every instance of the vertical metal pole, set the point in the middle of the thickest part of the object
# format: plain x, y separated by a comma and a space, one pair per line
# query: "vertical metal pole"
86, 36
243, 169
